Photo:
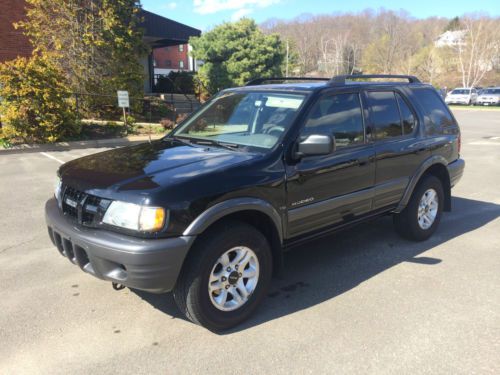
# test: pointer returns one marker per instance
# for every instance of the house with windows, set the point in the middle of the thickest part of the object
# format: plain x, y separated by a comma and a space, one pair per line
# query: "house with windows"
173, 59
168, 47
160, 34
451, 38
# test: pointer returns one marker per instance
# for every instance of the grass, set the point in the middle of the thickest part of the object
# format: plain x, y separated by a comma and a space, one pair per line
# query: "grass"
475, 107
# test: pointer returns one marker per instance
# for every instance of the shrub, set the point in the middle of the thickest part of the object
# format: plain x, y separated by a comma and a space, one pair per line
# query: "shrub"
130, 120
176, 82
35, 105
167, 123
181, 117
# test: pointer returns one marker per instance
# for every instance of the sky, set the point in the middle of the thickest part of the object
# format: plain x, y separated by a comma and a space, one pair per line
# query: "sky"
205, 14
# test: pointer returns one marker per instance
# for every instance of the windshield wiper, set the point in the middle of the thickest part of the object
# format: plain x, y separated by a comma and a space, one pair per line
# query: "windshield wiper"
186, 141
211, 142
204, 142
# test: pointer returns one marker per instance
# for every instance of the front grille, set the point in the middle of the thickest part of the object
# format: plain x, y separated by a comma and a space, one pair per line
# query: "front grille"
84, 208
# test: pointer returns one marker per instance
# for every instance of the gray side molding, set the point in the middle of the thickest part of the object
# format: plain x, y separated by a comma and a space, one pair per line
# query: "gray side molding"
218, 211
435, 159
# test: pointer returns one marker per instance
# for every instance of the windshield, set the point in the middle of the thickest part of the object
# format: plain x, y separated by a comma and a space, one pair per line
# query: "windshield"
461, 92
491, 91
253, 119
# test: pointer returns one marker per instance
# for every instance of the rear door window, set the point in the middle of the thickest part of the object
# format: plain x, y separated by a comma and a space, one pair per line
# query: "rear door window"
384, 114
437, 113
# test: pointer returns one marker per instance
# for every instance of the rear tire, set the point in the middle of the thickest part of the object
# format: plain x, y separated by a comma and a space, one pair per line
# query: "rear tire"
421, 217
197, 292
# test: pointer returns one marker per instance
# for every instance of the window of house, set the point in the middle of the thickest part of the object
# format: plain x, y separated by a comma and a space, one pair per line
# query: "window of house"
407, 117
338, 115
181, 64
181, 47
384, 114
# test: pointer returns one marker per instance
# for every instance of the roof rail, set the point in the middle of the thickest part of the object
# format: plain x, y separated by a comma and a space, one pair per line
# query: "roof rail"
260, 81
341, 80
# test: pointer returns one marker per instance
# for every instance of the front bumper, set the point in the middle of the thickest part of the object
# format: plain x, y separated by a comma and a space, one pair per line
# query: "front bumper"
152, 265
456, 170
457, 101
488, 102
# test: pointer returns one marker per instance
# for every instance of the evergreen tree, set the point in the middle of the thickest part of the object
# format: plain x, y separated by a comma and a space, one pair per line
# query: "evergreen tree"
234, 53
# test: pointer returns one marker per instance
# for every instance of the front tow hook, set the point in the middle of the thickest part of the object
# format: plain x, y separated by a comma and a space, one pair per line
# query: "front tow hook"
117, 286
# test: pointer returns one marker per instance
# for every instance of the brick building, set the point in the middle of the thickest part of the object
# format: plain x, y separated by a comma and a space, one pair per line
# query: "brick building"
170, 58
12, 42
160, 33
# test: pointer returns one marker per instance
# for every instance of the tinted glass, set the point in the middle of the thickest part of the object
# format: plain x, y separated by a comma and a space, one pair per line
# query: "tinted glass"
461, 92
407, 117
437, 114
339, 115
384, 114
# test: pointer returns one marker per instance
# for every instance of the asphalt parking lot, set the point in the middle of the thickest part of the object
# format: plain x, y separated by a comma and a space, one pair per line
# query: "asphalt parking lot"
364, 301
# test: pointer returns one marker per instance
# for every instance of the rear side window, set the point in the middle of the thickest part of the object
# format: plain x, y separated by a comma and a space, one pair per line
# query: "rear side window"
384, 114
338, 115
437, 114
407, 117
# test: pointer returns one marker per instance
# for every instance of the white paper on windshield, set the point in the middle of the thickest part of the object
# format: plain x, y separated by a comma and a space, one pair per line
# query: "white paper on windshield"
280, 102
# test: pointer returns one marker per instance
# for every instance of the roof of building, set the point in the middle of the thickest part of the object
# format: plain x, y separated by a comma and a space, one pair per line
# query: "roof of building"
161, 32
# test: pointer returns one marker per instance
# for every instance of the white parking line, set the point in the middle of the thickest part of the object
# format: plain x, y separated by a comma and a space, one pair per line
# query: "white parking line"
52, 157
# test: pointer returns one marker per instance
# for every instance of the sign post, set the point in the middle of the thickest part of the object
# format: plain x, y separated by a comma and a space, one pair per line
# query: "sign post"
123, 102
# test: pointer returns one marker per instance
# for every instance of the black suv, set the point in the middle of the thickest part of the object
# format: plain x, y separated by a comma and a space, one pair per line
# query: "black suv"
207, 211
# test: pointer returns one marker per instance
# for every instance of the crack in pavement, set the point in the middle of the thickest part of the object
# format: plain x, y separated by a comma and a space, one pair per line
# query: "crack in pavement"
17, 245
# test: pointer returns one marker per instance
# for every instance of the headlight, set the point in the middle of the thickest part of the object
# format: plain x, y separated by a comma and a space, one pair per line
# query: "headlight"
135, 217
57, 189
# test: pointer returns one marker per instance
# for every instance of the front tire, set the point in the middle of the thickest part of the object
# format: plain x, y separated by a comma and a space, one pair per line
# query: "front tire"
421, 217
225, 277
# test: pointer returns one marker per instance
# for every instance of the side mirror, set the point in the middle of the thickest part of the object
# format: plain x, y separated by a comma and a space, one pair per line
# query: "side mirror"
315, 144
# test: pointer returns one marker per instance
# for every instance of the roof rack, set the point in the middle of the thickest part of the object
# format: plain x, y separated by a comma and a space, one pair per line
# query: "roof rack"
260, 81
341, 80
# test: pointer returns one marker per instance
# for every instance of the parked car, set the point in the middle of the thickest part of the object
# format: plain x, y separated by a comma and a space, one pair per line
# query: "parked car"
489, 96
466, 96
208, 211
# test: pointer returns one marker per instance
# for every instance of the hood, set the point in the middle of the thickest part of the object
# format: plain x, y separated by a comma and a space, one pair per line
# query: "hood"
146, 166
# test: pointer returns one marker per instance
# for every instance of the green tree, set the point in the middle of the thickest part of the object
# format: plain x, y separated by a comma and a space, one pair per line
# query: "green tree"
454, 24
234, 53
36, 104
96, 43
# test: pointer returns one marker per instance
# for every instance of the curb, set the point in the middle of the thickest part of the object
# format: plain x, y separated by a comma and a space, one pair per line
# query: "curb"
66, 146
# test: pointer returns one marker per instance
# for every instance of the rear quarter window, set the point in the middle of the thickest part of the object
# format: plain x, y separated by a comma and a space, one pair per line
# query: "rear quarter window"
437, 114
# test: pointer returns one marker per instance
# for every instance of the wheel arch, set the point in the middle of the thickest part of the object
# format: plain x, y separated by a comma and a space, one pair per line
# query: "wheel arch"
435, 166
253, 211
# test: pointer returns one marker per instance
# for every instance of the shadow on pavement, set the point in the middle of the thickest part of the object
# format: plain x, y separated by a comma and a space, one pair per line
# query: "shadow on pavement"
328, 267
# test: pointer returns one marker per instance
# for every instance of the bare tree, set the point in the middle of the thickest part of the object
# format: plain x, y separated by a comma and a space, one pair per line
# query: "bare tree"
478, 49
392, 42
